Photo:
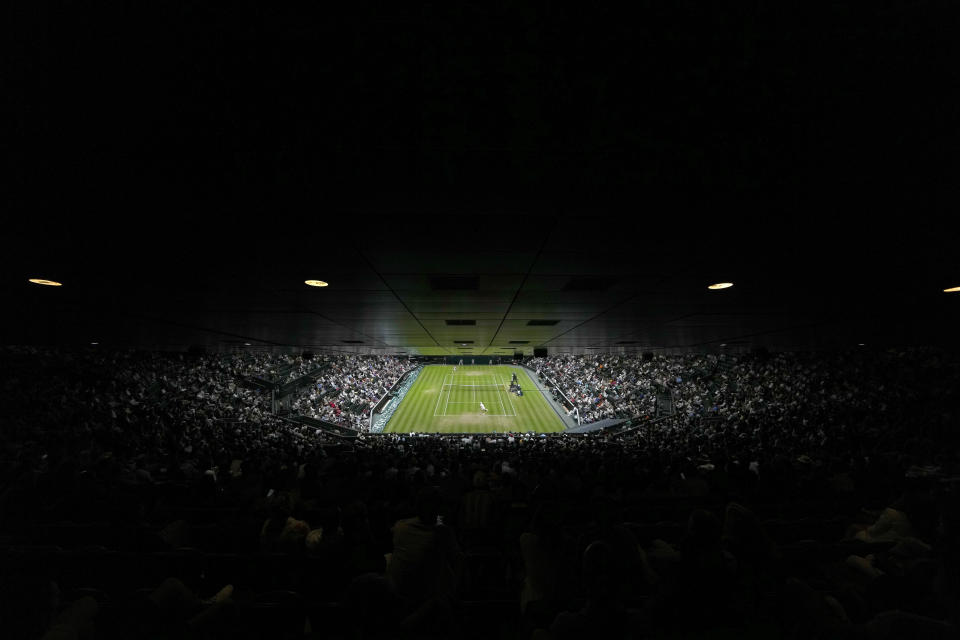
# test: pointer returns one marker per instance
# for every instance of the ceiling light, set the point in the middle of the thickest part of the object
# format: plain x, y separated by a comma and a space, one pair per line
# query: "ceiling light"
315, 283
721, 285
94, 343
49, 283
246, 344
952, 290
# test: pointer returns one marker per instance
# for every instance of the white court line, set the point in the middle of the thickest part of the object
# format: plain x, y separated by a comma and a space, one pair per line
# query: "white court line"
512, 406
493, 385
501, 402
439, 396
485, 376
503, 415
448, 401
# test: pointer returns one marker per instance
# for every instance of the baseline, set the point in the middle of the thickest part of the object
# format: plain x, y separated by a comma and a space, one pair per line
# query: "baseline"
474, 404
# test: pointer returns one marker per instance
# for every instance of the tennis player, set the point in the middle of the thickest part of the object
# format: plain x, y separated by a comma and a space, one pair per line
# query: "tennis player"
483, 408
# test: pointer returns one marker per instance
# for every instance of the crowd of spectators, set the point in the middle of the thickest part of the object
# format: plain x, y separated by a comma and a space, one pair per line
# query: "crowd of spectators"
349, 387
139, 405
814, 387
795, 495
602, 386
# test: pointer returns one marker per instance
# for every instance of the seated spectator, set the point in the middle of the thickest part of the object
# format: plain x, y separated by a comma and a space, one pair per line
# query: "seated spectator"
895, 523
75, 621
173, 609
701, 592
745, 538
281, 532
546, 578
605, 614
425, 562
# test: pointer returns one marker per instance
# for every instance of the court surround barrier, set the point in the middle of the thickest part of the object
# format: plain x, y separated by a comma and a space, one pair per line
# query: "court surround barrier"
383, 410
553, 385
474, 360
610, 425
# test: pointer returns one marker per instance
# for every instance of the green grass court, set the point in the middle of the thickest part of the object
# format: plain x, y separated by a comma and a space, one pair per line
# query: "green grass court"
444, 401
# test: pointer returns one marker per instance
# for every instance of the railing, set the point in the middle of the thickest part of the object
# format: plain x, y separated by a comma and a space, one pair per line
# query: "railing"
233, 424
296, 384
664, 406
633, 425
328, 427
280, 396
256, 382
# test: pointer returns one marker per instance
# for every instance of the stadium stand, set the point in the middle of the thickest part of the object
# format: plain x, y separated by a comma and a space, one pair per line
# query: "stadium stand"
800, 495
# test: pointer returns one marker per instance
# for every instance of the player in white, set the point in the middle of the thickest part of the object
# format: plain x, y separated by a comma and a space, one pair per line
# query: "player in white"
483, 408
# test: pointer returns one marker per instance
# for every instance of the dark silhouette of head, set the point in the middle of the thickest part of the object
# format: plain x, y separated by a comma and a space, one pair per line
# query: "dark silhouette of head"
428, 504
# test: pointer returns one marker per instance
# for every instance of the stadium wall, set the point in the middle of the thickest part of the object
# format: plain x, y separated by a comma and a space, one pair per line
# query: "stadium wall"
566, 400
477, 360
378, 408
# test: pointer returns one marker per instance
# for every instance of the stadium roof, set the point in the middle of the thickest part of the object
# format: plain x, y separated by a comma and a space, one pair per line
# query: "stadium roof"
592, 171
488, 283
